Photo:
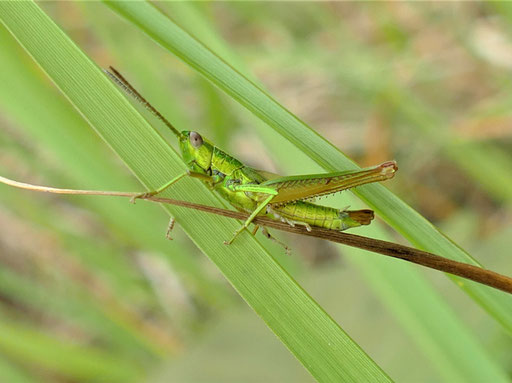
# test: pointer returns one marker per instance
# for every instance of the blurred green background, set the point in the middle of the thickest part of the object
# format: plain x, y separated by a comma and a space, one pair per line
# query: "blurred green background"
90, 289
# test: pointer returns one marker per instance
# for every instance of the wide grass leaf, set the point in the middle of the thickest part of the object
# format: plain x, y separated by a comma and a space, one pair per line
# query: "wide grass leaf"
313, 337
389, 207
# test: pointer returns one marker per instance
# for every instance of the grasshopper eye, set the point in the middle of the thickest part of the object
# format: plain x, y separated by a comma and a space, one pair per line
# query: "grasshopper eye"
195, 139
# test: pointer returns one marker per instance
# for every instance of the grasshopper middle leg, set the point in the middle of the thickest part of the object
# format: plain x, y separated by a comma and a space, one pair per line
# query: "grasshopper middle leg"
246, 224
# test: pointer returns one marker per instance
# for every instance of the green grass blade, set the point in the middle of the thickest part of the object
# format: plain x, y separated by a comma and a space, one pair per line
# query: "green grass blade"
12, 373
392, 209
421, 311
422, 314
58, 128
316, 340
75, 361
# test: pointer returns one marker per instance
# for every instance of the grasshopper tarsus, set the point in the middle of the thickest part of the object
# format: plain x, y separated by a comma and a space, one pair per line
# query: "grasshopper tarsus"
141, 196
235, 234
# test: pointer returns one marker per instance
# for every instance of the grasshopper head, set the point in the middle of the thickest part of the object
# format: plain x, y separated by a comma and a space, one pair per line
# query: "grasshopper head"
197, 151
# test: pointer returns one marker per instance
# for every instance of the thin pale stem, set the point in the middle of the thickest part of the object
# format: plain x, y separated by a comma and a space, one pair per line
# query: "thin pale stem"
420, 257
46, 189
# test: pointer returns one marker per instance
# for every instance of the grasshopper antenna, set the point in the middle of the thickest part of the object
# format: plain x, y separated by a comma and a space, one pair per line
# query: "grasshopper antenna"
128, 88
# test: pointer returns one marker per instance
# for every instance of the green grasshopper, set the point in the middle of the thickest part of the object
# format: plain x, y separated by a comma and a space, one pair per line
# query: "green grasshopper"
259, 192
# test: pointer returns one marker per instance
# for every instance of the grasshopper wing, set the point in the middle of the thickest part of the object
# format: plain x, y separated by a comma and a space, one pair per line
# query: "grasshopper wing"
267, 175
296, 188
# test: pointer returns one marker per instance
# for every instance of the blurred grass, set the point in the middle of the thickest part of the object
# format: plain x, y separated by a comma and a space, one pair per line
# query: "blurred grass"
347, 71
265, 286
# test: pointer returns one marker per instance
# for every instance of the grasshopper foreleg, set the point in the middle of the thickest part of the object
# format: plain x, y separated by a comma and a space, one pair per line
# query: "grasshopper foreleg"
160, 189
200, 176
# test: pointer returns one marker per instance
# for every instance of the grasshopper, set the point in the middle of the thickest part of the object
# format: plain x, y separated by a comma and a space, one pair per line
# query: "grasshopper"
260, 192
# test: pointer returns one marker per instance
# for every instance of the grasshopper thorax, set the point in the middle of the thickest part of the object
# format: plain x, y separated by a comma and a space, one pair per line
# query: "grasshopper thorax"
196, 151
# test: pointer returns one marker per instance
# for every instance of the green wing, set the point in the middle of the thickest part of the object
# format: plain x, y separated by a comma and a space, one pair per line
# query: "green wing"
296, 188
